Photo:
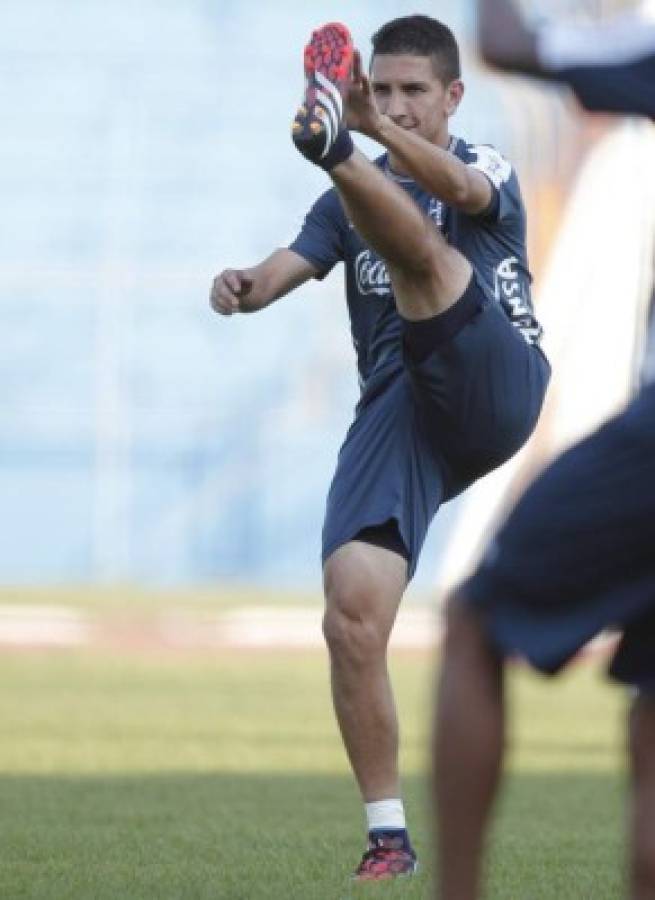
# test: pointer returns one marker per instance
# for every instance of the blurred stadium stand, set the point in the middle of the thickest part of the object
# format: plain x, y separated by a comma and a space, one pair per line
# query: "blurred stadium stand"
145, 148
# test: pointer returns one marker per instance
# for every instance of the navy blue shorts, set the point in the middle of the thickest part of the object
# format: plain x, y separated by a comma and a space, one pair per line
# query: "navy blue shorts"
466, 398
577, 554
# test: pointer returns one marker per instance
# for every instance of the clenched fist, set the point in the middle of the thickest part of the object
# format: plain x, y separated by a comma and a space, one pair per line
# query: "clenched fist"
228, 290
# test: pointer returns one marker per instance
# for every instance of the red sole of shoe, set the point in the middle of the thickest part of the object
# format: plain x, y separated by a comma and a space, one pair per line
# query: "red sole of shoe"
330, 51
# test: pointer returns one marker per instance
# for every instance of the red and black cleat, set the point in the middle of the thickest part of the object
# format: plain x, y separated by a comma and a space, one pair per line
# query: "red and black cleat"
328, 69
387, 858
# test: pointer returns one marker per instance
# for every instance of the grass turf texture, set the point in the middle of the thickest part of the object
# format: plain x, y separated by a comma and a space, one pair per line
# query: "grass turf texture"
199, 777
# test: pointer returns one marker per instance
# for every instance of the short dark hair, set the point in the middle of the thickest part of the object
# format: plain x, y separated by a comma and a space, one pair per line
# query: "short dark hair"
420, 36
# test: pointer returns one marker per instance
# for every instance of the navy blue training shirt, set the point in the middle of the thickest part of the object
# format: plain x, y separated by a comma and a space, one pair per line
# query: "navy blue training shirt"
493, 242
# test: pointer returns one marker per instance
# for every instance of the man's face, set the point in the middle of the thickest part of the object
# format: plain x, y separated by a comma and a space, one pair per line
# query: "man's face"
408, 90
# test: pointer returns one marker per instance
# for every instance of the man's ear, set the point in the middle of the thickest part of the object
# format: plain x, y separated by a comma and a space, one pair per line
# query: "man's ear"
454, 94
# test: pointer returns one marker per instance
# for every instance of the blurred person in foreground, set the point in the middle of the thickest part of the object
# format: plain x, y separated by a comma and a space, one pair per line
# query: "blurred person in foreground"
452, 377
577, 554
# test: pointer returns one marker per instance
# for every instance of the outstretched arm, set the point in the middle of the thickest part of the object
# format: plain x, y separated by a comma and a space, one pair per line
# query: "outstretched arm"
437, 170
248, 290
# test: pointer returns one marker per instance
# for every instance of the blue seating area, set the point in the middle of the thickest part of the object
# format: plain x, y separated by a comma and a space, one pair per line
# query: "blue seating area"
145, 147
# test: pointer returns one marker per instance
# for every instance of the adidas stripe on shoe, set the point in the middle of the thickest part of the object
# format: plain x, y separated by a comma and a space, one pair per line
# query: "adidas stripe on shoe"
319, 130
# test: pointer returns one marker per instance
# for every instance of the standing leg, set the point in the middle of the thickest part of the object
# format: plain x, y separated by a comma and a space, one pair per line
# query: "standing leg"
363, 587
467, 752
642, 751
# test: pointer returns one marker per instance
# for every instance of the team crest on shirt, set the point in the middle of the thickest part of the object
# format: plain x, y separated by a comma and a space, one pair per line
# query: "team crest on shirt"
491, 164
372, 275
435, 212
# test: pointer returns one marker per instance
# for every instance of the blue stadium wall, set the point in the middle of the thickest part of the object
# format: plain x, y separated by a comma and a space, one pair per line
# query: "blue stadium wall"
145, 147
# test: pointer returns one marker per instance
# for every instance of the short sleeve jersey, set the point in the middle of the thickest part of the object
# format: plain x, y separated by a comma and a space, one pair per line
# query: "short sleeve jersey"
493, 242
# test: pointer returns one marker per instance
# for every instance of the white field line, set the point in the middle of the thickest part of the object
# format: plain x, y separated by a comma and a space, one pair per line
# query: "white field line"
249, 628
42, 626
285, 627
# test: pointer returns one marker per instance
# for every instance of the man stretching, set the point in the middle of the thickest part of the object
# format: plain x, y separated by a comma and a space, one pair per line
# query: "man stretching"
433, 239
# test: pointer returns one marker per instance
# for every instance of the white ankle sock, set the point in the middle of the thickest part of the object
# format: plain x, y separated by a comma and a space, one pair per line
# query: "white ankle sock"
383, 814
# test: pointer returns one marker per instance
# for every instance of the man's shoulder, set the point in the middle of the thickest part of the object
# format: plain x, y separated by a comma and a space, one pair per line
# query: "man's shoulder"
487, 159
326, 213
329, 204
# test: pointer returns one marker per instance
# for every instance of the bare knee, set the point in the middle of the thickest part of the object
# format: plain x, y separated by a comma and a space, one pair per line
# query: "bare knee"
363, 586
353, 638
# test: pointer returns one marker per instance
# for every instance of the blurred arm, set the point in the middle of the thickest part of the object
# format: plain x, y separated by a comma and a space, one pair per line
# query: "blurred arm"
610, 65
505, 40
249, 290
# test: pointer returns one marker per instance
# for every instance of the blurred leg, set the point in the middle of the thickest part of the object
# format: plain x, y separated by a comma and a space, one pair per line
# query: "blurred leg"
467, 752
642, 748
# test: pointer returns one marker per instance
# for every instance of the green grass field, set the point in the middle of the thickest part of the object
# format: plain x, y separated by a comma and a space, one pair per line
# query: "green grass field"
180, 776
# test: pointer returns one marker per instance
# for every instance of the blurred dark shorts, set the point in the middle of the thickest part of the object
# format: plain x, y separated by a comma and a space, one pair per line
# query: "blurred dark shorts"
577, 554
465, 399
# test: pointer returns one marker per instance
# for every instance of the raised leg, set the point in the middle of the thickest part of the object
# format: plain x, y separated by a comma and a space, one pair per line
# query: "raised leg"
427, 274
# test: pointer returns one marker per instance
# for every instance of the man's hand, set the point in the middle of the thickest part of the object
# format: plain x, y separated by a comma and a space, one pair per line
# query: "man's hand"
228, 289
249, 290
362, 113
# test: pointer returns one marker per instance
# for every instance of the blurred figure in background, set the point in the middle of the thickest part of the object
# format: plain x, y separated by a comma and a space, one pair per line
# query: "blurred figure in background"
609, 65
453, 379
576, 555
